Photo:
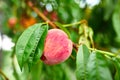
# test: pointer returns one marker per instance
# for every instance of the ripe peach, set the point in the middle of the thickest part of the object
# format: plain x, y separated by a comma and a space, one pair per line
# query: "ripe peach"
57, 47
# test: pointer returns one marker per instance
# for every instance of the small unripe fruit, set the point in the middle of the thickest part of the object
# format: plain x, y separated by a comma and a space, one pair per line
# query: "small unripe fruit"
27, 21
57, 47
54, 16
12, 22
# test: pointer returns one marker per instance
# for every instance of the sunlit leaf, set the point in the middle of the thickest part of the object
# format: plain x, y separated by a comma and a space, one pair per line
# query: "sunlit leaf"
81, 62
97, 67
84, 40
39, 49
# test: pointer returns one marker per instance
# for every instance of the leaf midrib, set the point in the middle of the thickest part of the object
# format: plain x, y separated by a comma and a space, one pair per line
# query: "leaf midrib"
27, 44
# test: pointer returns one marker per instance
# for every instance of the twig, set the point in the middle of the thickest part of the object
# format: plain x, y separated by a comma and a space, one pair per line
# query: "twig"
76, 23
75, 46
30, 4
3, 75
72, 57
105, 52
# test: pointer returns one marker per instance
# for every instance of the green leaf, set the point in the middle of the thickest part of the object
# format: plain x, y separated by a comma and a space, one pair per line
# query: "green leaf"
116, 23
117, 66
40, 45
81, 30
90, 34
34, 58
84, 40
36, 71
111, 67
97, 67
28, 45
81, 62
116, 20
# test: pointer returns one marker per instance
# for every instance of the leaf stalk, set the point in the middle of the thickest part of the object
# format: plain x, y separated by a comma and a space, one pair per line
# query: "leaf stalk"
105, 53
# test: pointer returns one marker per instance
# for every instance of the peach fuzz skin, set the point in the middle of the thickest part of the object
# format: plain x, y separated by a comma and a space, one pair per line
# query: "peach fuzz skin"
57, 47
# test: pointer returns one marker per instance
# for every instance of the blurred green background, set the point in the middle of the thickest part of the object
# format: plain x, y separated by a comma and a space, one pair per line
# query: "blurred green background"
103, 17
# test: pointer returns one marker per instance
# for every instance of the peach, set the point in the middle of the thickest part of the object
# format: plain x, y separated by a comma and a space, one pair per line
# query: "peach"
57, 47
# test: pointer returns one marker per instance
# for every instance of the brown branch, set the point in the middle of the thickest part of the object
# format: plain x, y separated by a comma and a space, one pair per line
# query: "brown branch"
3, 75
30, 4
75, 46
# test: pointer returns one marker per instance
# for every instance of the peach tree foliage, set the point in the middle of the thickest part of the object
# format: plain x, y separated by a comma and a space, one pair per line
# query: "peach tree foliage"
84, 64
91, 64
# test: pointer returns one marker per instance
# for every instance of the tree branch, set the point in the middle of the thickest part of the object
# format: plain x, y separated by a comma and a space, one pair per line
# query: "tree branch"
3, 75
30, 4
